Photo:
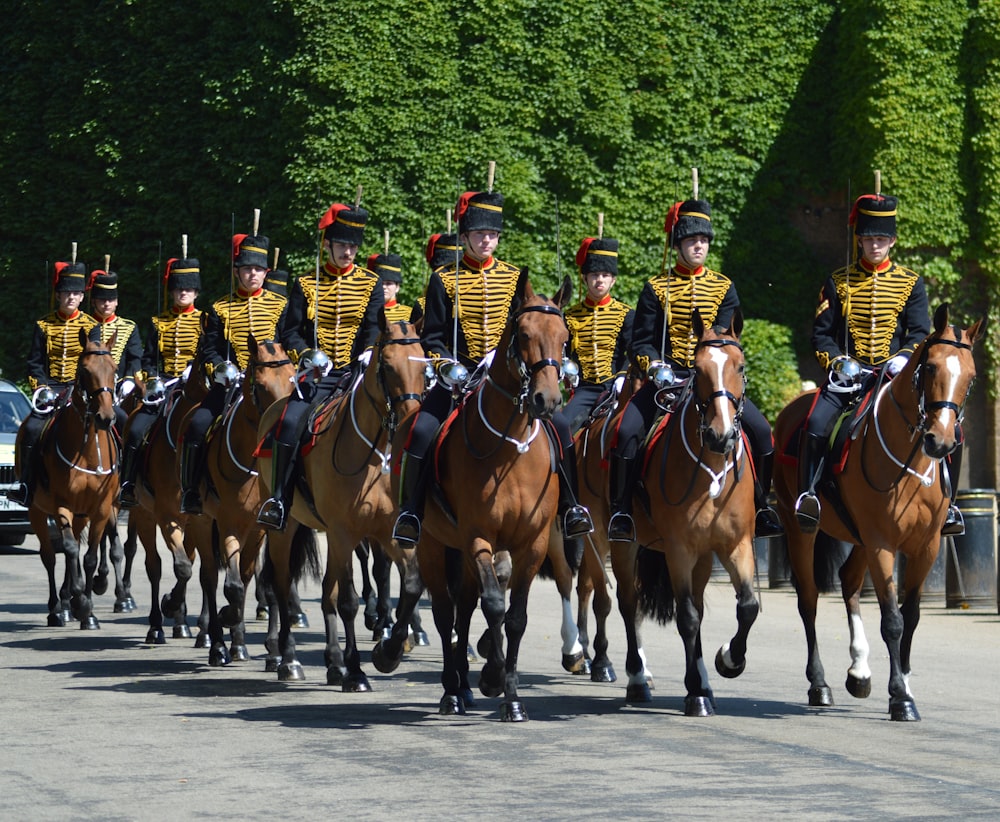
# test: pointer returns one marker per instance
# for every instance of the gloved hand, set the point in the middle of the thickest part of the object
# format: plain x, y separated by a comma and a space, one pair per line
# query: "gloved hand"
365, 357
895, 365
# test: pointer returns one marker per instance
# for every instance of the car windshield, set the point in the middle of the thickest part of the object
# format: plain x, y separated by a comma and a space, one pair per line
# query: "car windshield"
14, 407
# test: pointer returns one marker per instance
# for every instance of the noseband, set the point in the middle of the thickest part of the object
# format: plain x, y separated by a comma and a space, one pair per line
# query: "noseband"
516, 362
923, 407
87, 397
703, 404
391, 420
254, 385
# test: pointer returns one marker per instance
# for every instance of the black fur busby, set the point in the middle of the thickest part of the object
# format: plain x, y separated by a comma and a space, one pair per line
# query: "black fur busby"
249, 250
387, 267
343, 224
874, 215
103, 285
598, 254
480, 211
441, 250
70, 277
183, 273
688, 219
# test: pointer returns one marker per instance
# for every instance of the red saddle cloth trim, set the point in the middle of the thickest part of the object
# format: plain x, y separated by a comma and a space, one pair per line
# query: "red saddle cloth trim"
442, 435
654, 438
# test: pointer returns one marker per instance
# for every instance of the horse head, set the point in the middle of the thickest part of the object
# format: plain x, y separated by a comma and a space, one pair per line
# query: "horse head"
398, 369
95, 380
537, 340
269, 373
719, 382
940, 374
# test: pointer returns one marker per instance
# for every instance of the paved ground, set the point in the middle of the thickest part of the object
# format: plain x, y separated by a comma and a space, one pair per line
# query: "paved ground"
98, 725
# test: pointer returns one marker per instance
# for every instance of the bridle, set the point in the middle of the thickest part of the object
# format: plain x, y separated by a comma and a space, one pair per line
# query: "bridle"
86, 397
516, 363
255, 384
704, 404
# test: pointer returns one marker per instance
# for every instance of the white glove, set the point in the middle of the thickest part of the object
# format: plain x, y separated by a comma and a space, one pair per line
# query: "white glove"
619, 384
896, 364
365, 357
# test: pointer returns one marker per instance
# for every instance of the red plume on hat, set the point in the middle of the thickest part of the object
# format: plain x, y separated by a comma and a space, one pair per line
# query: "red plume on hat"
672, 215
463, 204
429, 250
237, 242
581, 255
93, 277
170, 263
330, 217
372, 258
58, 267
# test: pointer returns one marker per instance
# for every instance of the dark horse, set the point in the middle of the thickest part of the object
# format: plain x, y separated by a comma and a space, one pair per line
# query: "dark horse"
78, 458
890, 500
700, 490
496, 471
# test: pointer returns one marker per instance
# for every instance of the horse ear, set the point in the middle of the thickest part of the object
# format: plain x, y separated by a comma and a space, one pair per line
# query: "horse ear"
941, 317
697, 324
523, 290
251, 341
419, 325
977, 331
736, 326
564, 294
84, 337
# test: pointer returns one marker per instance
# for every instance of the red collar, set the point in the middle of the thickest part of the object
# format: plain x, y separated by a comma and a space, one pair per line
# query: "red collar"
591, 304
333, 271
684, 271
110, 319
188, 309
67, 318
476, 265
873, 269
391, 304
246, 295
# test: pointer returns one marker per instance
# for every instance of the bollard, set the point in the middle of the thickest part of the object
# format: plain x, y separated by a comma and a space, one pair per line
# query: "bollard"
779, 570
971, 559
934, 582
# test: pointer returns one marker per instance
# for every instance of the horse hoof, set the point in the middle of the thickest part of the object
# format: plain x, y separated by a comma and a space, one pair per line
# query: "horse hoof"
155, 636
57, 620
262, 614
386, 632
169, 610
271, 664
513, 711
100, 586
820, 696
381, 659
335, 675
698, 706
467, 697
218, 656
603, 673
356, 684
723, 667
300, 620
89, 623
451, 705
408, 644
485, 644
487, 686
182, 632
202, 641
120, 607
903, 710
638, 692
420, 639
239, 653
292, 672
229, 616
65, 616
130, 605
470, 655
858, 687
575, 663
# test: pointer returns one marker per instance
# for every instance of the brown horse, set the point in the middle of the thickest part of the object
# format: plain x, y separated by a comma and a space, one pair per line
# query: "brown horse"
891, 501
496, 471
226, 533
78, 456
345, 492
159, 493
700, 504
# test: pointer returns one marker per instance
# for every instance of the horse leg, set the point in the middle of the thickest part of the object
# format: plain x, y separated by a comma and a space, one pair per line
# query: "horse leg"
245, 566
382, 575
263, 599
601, 669
491, 598
89, 622
144, 529
573, 658
295, 609
388, 652
276, 580
116, 553
47, 546
129, 548
902, 708
417, 635
800, 558
515, 622
234, 590
852, 577
362, 552
218, 654
623, 561
731, 658
332, 654
355, 681
698, 699
99, 581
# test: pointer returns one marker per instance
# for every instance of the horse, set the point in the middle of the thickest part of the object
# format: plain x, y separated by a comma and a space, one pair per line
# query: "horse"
488, 530
888, 501
700, 504
77, 455
344, 490
226, 533
158, 490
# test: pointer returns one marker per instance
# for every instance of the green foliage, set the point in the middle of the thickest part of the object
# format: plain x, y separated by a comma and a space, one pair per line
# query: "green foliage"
772, 377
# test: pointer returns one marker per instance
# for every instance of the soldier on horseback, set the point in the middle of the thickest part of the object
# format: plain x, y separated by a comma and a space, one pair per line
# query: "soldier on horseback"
467, 305
333, 319
52, 361
127, 352
663, 345
871, 314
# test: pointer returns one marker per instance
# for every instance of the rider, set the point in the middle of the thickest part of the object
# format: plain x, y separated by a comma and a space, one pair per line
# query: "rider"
171, 346
389, 269
662, 334
250, 309
600, 328
486, 286
127, 352
348, 299
52, 361
441, 250
872, 313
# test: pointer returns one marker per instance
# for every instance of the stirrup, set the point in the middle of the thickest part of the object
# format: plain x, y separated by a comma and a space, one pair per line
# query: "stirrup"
126, 495
19, 494
272, 514
577, 522
767, 524
621, 528
191, 502
807, 510
407, 528
954, 523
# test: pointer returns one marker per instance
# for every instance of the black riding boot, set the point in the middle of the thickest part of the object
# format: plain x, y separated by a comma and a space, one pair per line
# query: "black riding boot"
576, 521
767, 523
31, 434
812, 450
954, 522
129, 465
621, 526
190, 471
273, 512
407, 527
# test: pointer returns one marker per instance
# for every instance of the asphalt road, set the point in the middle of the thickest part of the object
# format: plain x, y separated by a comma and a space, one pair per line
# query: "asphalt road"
99, 725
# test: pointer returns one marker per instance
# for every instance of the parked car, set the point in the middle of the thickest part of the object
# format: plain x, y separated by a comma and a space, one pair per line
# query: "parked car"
14, 407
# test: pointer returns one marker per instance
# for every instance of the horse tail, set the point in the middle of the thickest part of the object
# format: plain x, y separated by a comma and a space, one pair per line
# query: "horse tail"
546, 571
828, 555
305, 554
653, 586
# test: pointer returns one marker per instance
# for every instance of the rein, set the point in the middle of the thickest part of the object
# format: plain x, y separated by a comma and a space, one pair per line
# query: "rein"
87, 399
